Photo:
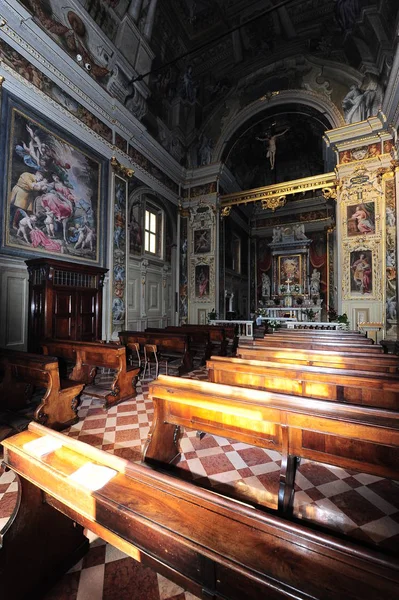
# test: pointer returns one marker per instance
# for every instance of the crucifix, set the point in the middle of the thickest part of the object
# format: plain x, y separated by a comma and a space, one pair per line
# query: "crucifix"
288, 281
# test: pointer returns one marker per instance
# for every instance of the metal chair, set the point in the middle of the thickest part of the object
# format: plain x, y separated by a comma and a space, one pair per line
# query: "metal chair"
151, 357
134, 357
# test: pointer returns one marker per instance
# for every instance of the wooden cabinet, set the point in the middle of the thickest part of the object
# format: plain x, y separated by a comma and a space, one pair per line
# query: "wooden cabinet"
65, 301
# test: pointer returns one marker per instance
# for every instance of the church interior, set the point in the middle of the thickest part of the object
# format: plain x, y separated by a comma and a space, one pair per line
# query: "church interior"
199, 351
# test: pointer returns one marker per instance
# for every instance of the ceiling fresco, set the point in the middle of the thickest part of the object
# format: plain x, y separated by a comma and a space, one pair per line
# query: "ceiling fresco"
187, 68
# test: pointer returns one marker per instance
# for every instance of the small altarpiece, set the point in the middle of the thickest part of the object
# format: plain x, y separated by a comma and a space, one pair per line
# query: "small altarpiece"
293, 286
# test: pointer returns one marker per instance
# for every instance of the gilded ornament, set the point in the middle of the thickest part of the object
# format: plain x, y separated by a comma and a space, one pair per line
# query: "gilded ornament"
273, 203
120, 169
329, 193
225, 211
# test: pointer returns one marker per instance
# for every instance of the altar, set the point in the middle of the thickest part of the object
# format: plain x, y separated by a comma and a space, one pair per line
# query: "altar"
293, 291
295, 313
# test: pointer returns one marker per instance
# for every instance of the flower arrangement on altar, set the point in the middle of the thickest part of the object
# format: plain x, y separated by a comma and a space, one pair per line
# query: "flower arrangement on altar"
309, 313
295, 288
273, 324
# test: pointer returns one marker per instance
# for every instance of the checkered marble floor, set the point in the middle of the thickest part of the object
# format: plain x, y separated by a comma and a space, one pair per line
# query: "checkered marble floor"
355, 504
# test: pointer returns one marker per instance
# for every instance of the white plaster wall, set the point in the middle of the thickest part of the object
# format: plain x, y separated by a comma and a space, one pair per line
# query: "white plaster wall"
14, 296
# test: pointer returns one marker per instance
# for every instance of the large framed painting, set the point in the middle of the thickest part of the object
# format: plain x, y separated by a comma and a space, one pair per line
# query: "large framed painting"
52, 189
360, 219
361, 272
289, 270
202, 241
202, 281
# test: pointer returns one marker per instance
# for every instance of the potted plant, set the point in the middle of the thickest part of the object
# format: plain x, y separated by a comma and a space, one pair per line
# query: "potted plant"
309, 313
212, 315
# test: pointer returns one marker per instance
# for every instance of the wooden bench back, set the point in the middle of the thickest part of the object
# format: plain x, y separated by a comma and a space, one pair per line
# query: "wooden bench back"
269, 342
108, 355
212, 545
317, 430
352, 386
216, 332
166, 342
35, 369
321, 358
197, 336
321, 339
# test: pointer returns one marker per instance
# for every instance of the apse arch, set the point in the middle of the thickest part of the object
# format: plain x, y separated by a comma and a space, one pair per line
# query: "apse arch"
277, 101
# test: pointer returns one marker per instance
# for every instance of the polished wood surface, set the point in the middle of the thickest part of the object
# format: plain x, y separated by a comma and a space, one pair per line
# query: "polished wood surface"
221, 336
200, 342
355, 387
315, 337
313, 344
212, 546
22, 371
65, 301
173, 346
87, 356
348, 436
319, 358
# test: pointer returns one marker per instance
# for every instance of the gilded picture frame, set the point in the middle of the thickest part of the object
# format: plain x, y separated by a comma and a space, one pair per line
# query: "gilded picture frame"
290, 267
52, 190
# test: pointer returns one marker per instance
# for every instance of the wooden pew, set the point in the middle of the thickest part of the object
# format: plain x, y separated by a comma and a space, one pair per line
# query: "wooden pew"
210, 545
317, 338
87, 356
200, 342
333, 333
23, 371
271, 342
218, 337
348, 436
174, 346
367, 388
322, 358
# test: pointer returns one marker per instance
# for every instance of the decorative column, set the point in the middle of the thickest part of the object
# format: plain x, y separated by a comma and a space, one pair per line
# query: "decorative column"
165, 273
366, 223
143, 271
121, 175
201, 252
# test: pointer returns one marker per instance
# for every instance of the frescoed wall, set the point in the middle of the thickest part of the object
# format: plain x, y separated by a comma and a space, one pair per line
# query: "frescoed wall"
366, 227
119, 257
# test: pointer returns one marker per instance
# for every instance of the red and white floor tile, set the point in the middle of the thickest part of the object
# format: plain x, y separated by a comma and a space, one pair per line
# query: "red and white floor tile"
358, 505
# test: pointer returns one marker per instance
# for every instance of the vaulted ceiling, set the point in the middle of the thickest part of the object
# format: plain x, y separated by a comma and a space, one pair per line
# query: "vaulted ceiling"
189, 70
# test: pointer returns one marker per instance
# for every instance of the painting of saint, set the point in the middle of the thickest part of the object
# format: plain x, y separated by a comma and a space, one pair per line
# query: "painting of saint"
360, 219
52, 192
202, 241
202, 281
290, 269
361, 272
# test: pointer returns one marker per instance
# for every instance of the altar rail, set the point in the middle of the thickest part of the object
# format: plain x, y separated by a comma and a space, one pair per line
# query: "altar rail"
244, 328
292, 311
316, 325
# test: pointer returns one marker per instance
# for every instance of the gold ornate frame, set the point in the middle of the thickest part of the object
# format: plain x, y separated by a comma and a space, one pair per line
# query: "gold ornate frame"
284, 257
363, 245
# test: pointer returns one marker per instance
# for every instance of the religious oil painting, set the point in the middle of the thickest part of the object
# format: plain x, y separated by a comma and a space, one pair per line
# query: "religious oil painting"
202, 241
360, 219
51, 191
202, 281
289, 270
361, 272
